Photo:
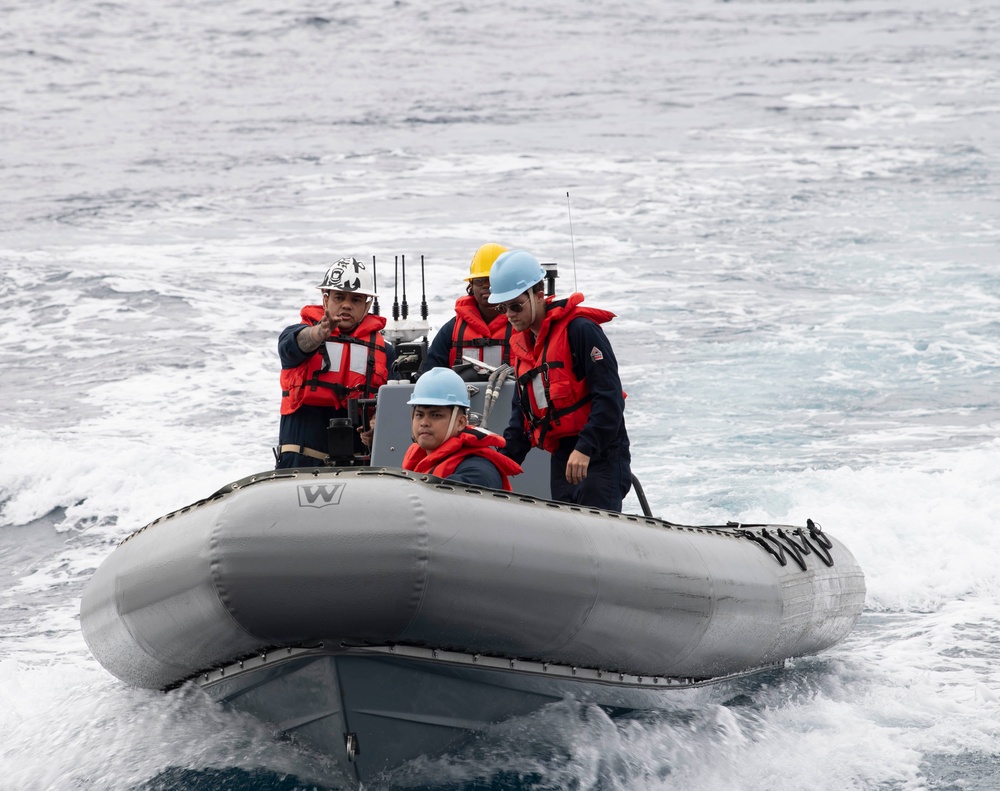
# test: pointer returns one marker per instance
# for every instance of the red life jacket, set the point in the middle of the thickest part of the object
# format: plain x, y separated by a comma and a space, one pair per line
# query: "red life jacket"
554, 402
473, 337
358, 368
444, 460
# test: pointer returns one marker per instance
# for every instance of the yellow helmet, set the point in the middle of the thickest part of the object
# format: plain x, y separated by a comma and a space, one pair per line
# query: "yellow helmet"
483, 260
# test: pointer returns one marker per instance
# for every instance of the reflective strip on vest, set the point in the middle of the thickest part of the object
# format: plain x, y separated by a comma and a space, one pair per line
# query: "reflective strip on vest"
357, 363
491, 355
334, 353
538, 388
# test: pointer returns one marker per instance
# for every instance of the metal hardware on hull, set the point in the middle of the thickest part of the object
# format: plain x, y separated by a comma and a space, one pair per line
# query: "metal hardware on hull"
351, 745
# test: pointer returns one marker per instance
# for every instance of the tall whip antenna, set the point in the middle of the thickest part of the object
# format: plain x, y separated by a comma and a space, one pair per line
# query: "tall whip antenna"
572, 244
395, 292
406, 310
423, 292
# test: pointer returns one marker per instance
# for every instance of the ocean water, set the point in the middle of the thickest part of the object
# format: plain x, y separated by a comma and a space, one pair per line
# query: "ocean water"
792, 206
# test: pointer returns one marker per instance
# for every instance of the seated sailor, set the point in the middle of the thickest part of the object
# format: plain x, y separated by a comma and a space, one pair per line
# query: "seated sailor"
444, 444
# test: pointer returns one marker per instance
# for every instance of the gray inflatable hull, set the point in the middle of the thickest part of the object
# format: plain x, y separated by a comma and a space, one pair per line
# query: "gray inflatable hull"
308, 596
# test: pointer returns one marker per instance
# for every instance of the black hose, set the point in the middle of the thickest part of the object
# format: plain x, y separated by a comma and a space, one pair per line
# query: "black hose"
641, 495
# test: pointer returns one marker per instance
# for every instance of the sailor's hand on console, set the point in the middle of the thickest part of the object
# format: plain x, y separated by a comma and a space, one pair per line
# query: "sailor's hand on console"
576, 467
366, 436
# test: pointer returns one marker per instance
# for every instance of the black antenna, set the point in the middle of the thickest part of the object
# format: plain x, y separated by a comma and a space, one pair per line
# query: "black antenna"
374, 288
571, 242
423, 292
406, 311
395, 293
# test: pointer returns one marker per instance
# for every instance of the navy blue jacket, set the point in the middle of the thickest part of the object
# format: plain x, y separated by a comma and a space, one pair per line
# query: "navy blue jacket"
440, 348
478, 471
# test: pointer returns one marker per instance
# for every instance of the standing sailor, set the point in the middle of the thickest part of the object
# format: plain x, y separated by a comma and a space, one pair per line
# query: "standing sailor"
569, 399
336, 353
444, 444
476, 330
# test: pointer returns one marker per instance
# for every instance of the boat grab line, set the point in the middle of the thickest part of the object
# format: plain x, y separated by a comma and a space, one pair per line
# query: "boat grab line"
778, 543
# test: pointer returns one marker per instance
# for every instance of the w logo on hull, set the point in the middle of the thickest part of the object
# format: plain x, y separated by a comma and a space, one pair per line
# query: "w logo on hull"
320, 494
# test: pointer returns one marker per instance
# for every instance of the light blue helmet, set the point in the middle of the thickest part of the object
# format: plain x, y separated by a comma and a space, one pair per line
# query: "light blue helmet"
440, 387
512, 274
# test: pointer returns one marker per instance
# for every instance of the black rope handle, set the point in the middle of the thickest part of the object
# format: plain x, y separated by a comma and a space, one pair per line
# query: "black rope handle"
823, 543
791, 546
779, 555
780, 544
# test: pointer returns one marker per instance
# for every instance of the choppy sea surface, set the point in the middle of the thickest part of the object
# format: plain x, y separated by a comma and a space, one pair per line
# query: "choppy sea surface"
793, 207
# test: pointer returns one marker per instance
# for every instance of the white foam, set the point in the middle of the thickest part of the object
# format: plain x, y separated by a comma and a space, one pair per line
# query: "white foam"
98, 733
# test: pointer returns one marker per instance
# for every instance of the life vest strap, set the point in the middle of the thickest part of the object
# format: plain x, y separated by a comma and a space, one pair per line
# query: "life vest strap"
524, 385
338, 389
477, 342
458, 342
371, 343
552, 416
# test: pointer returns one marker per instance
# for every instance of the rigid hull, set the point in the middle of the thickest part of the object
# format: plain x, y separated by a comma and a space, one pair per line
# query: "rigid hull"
376, 707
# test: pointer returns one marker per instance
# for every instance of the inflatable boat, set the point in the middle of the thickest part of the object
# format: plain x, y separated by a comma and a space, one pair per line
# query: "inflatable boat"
378, 615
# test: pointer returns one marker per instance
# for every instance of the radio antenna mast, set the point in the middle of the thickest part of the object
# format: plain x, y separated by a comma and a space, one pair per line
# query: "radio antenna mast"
375, 289
423, 292
572, 244
395, 292
406, 310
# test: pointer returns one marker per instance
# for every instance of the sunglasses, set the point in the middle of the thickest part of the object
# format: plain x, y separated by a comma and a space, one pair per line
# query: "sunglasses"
512, 307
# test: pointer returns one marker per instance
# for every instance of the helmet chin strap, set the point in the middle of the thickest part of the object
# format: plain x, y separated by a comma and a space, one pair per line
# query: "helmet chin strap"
534, 309
454, 420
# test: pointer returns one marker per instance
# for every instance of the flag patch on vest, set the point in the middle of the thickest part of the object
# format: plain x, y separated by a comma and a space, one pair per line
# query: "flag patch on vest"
595, 355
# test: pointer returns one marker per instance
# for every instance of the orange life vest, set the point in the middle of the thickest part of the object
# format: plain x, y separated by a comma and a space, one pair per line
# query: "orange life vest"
554, 402
350, 365
473, 337
444, 460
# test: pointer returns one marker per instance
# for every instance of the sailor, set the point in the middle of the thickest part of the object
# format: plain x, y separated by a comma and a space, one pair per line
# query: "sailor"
569, 399
476, 330
337, 352
444, 444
